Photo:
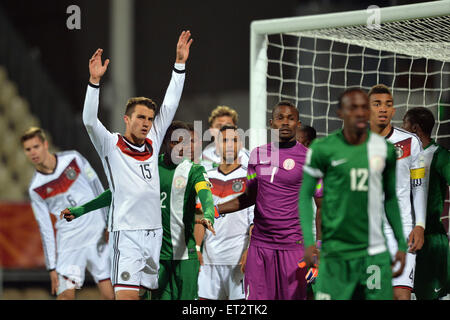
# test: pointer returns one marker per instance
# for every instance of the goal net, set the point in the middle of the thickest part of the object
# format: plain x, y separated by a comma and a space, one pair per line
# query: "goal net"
311, 60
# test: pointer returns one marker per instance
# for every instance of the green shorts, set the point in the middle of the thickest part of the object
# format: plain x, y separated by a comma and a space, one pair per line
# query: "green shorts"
432, 269
364, 278
177, 280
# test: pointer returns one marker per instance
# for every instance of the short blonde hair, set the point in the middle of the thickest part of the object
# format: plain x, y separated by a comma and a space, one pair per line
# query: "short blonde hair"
222, 111
33, 132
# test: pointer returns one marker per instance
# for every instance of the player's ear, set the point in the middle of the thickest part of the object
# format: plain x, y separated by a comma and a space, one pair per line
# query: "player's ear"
415, 128
126, 119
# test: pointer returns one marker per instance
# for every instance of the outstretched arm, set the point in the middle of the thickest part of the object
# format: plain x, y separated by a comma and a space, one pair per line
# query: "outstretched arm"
245, 200
203, 190
103, 200
207, 202
248, 198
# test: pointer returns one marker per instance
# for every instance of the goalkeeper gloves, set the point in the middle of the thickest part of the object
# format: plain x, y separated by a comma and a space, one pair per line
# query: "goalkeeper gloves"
313, 272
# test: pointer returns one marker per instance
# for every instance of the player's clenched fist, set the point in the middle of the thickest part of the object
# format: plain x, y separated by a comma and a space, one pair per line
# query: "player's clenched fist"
66, 214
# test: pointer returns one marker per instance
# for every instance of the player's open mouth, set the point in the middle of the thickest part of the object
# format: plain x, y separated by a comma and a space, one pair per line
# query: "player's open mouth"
361, 124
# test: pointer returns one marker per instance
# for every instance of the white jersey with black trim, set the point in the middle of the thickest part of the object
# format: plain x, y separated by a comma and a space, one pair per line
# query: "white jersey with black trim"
72, 183
410, 174
227, 246
132, 171
210, 157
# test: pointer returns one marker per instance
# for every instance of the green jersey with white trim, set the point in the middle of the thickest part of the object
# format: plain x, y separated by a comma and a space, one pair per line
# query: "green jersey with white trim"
437, 178
179, 185
356, 179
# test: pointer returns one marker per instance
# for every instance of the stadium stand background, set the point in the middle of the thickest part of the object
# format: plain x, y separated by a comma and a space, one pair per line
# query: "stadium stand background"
44, 73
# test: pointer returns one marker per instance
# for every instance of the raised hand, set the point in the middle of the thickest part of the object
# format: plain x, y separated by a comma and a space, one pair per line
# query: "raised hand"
183, 46
96, 68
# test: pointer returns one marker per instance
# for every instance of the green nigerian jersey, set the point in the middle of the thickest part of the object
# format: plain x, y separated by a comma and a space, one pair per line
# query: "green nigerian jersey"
437, 178
359, 183
179, 186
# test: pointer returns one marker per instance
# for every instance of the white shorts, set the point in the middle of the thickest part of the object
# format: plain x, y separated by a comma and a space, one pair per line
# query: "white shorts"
221, 282
135, 259
71, 266
406, 279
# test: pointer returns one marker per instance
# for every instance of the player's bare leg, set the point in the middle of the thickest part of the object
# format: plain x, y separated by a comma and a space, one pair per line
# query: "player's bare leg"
106, 290
68, 294
127, 295
402, 294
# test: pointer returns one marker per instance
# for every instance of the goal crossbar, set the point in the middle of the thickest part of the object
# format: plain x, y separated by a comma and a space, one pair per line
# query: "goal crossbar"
319, 26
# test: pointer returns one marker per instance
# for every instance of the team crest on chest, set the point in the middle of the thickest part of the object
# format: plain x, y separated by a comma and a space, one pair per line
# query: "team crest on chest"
237, 186
179, 182
70, 173
289, 164
376, 164
403, 148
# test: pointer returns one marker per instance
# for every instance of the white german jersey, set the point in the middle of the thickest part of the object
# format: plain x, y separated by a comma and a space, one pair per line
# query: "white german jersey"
132, 171
410, 173
227, 246
72, 183
210, 157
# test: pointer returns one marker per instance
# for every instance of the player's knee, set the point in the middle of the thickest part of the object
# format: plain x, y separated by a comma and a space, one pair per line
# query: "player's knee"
68, 294
127, 295
106, 290
107, 295
402, 294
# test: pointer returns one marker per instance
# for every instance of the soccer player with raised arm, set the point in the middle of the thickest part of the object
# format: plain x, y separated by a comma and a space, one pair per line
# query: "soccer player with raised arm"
358, 169
131, 165
221, 277
63, 179
181, 182
432, 276
274, 177
409, 178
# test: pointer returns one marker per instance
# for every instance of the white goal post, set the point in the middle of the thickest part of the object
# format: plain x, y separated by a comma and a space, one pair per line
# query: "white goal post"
281, 67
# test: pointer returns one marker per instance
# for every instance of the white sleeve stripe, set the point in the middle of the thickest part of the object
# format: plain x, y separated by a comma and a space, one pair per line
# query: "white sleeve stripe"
316, 173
